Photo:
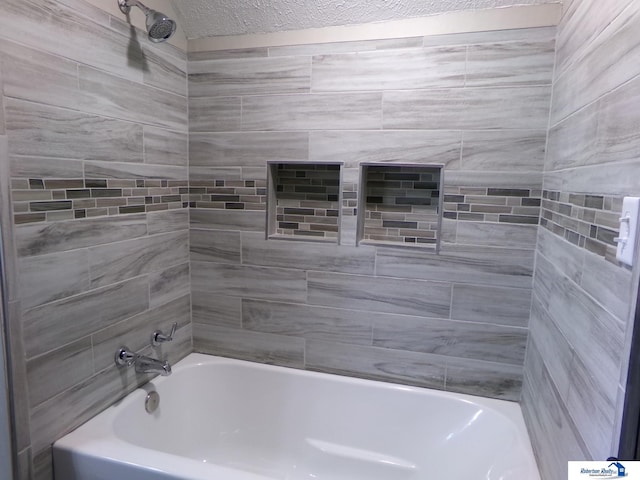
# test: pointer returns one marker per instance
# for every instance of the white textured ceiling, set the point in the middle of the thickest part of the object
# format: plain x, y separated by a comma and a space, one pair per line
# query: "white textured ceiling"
207, 18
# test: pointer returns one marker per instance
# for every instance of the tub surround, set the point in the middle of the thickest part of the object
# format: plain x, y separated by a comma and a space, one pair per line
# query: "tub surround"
385, 313
96, 159
110, 176
581, 318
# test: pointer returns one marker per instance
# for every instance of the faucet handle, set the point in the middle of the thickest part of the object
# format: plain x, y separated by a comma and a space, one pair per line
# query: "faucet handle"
125, 357
158, 337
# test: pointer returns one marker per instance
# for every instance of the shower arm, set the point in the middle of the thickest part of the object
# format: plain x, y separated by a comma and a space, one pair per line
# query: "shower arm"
125, 6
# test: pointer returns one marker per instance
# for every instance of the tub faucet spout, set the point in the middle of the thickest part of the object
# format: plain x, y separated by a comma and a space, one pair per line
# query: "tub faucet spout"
143, 364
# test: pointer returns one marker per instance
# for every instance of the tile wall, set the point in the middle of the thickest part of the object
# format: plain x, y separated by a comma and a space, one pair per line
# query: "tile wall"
93, 146
575, 370
476, 103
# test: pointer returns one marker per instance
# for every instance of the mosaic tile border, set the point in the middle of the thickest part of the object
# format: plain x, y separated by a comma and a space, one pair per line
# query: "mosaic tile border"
588, 221
492, 204
46, 200
226, 194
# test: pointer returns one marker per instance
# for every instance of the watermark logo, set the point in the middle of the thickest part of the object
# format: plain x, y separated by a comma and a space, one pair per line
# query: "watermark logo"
611, 469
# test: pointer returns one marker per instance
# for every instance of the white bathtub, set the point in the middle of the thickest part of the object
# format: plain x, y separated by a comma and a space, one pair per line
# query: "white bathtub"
223, 419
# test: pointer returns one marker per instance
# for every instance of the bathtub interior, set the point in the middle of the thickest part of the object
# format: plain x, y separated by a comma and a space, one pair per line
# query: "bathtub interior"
226, 419
283, 423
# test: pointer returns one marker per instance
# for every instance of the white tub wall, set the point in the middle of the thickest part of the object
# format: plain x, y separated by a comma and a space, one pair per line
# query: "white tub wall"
60, 69
581, 322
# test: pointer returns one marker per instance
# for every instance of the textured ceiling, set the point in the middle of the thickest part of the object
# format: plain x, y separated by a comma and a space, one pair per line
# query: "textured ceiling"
207, 18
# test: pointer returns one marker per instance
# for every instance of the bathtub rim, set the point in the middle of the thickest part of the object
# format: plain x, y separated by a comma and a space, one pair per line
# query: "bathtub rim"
81, 442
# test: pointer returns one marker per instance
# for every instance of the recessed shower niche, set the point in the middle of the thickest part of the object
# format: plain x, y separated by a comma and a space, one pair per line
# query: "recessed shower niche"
304, 201
400, 204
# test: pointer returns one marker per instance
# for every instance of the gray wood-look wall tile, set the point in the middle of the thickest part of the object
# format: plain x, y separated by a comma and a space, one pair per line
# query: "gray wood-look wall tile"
513, 151
120, 98
120, 261
36, 76
380, 294
389, 70
228, 54
212, 309
215, 246
56, 371
606, 64
496, 234
495, 380
619, 177
306, 255
134, 170
58, 323
580, 27
354, 147
553, 348
167, 221
592, 404
214, 114
228, 220
481, 265
247, 281
510, 63
246, 345
345, 47
36, 167
325, 111
43, 131
164, 70
376, 363
63, 413
483, 178
247, 149
553, 432
573, 141
492, 36
469, 108
582, 320
566, 256
249, 76
165, 147
451, 338
500, 305
50, 26
18, 369
169, 284
43, 238
46, 278
609, 284
135, 332
306, 321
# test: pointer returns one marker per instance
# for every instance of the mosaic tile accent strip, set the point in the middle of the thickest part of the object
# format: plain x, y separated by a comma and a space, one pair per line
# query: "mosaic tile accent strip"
47, 200
489, 204
307, 200
588, 221
227, 194
401, 204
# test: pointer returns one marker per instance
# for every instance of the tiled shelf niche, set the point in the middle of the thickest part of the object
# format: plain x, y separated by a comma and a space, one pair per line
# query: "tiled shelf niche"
400, 204
304, 201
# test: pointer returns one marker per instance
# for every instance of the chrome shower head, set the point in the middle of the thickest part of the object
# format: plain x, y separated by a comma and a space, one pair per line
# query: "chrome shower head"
159, 26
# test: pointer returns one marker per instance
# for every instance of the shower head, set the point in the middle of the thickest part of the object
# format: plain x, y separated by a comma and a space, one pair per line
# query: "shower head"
159, 26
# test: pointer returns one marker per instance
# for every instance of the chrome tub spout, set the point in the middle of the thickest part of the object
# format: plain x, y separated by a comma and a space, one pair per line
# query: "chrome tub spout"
143, 364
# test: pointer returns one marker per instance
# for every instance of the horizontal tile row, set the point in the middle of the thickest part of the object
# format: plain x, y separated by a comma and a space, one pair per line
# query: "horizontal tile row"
506, 62
399, 366
51, 200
